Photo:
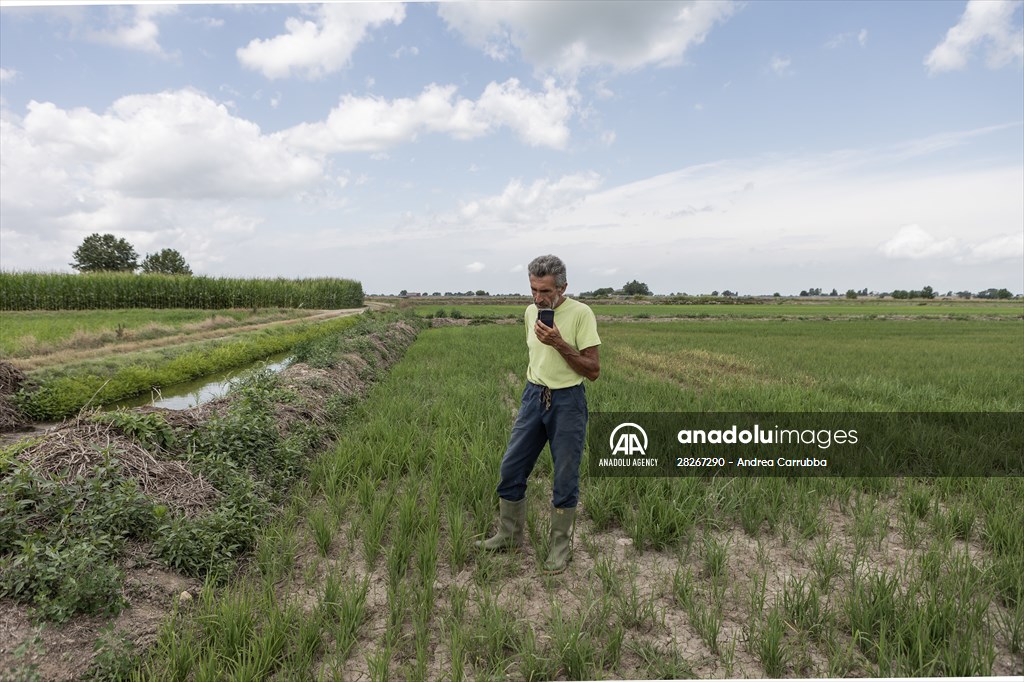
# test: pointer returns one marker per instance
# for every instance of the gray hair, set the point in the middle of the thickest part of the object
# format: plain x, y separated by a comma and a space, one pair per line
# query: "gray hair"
542, 266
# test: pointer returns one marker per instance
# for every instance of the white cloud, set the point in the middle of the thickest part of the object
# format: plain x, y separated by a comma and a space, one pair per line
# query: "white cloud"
7, 75
211, 22
146, 156
983, 23
533, 203
313, 48
602, 90
1001, 247
569, 37
404, 50
780, 65
841, 39
140, 31
910, 241
374, 123
913, 243
475, 267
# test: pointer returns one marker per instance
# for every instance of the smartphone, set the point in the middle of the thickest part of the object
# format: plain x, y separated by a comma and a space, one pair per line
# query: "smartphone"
546, 317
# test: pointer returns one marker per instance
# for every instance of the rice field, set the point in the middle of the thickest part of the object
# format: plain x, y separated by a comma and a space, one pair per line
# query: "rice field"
751, 308
369, 571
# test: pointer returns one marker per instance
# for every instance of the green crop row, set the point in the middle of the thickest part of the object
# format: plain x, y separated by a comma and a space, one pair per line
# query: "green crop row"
56, 291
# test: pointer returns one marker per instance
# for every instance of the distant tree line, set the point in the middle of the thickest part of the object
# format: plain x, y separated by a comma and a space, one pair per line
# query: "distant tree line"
108, 253
926, 292
637, 288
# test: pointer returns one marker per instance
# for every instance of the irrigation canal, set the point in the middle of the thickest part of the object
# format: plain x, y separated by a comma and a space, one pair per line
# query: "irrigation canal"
192, 393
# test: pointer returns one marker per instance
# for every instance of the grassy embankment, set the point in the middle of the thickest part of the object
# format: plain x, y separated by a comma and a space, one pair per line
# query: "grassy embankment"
370, 569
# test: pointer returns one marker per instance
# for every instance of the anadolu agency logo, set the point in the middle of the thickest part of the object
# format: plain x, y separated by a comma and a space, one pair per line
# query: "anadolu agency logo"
628, 439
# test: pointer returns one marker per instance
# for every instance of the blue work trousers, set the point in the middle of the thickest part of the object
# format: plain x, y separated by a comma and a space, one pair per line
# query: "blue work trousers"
554, 416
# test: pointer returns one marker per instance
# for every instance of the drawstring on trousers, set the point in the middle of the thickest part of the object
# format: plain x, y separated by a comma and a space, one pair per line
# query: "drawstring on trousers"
545, 396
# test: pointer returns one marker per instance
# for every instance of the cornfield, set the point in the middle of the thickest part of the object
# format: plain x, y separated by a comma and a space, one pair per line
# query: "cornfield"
56, 291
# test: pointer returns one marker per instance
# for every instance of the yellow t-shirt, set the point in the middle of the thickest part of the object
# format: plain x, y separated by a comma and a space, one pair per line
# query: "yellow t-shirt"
578, 326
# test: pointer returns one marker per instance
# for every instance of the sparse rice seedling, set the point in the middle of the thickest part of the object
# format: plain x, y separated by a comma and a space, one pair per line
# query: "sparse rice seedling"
321, 524
496, 637
715, 557
827, 562
634, 610
342, 609
661, 663
768, 643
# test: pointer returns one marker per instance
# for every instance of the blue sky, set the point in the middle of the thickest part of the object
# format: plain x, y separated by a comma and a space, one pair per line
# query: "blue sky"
759, 147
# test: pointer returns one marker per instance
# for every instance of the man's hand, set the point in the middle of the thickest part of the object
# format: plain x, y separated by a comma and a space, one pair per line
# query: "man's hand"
549, 336
586, 363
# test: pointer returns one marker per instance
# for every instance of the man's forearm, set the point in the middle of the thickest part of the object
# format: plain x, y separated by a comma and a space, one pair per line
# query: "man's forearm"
584, 365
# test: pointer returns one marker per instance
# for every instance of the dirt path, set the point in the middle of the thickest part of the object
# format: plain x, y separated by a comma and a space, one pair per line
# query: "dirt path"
68, 357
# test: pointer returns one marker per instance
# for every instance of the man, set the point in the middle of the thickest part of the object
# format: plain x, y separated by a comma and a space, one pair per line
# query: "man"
553, 410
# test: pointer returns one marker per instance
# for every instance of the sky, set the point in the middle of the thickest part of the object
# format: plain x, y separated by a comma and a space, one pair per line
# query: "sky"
758, 147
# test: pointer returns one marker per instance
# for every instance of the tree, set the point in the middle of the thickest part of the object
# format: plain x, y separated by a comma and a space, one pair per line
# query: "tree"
850, 293
995, 293
99, 253
636, 288
166, 262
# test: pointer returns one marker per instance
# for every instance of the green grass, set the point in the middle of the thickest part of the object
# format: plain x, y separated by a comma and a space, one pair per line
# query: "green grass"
24, 333
862, 577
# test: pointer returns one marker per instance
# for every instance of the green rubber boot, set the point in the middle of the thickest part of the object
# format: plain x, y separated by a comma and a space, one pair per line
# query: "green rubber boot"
511, 522
560, 546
